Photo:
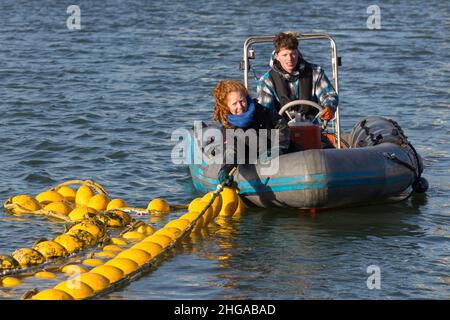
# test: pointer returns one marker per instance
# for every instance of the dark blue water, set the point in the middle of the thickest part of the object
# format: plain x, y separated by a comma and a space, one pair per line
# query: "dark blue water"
102, 103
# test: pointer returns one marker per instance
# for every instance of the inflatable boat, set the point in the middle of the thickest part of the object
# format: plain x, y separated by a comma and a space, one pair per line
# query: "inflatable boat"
374, 161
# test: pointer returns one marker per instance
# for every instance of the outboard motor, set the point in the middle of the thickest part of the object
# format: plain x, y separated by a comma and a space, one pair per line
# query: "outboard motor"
375, 130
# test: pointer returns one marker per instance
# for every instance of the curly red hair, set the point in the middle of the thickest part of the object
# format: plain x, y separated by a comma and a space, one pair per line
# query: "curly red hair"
220, 92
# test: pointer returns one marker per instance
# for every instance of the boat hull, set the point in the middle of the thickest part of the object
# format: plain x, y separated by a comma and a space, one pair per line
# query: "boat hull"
323, 178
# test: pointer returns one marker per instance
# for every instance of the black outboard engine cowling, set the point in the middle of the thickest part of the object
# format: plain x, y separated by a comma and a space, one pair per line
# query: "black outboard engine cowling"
375, 130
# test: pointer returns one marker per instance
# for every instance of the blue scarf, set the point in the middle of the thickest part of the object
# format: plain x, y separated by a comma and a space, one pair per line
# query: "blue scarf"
243, 120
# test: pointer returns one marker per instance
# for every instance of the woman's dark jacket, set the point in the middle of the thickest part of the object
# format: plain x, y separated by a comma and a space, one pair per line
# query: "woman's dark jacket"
263, 118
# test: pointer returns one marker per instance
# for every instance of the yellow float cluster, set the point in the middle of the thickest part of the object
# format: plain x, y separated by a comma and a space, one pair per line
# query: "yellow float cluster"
92, 213
149, 246
86, 207
227, 204
66, 203
79, 236
85, 283
69, 204
90, 223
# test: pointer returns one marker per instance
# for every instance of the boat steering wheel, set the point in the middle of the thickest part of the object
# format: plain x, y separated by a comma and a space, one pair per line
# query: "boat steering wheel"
294, 103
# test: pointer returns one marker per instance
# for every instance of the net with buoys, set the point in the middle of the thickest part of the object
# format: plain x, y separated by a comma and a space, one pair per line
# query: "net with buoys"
84, 208
93, 217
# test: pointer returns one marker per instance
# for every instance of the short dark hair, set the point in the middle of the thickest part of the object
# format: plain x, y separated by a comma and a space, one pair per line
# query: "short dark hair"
286, 41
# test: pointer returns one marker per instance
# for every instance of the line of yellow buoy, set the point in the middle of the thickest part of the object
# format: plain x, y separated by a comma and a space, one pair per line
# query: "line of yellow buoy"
64, 203
88, 229
130, 263
92, 214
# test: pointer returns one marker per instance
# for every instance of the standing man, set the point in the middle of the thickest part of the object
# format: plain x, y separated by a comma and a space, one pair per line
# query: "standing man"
292, 78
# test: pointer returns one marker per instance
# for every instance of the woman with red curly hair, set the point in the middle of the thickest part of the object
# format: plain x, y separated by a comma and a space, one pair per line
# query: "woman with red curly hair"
235, 109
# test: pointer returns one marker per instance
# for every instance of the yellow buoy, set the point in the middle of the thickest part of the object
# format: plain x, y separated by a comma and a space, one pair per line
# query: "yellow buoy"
68, 193
216, 205
112, 247
133, 235
84, 193
105, 254
58, 207
172, 233
162, 240
145, 229
52, 294
150, 247
87, 238
113, 220
137, 255
96, 281
51, 249
240, 207
124, 264
180, 224
49, 196
28, 257
198, 205
10, 282
8, 263
125, 216
229, 201
27, 202
112, 273
193, 204
70, 243
45, 275
98, 202
119, 241
158, 205
72, 269
93, 262
191, 216
77, 289
93, 228
116, 204
81, 213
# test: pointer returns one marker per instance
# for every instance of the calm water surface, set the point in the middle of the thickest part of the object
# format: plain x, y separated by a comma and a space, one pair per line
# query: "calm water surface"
101, 103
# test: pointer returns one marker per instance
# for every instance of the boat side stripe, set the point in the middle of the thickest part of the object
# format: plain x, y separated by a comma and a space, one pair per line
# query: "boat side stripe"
302, 182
